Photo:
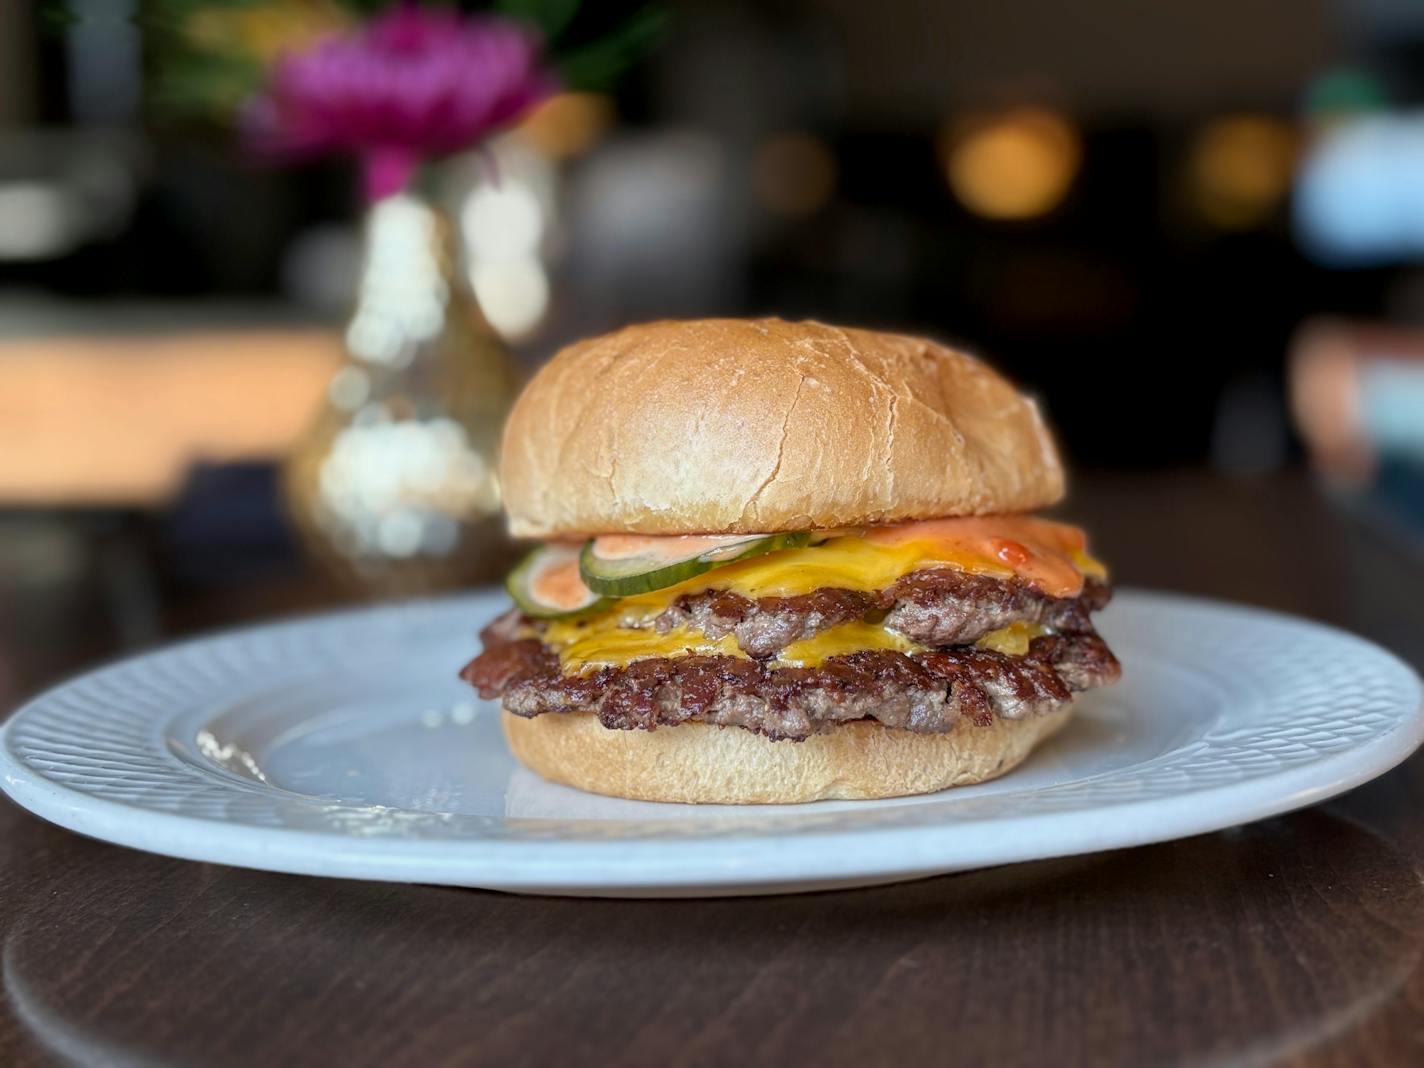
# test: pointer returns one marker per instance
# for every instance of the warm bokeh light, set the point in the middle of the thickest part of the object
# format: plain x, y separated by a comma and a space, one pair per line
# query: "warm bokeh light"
568, 124
504, 226
503, 221
1241, 168
401, 297
794, 174
1015, 164
514, 295
399, 487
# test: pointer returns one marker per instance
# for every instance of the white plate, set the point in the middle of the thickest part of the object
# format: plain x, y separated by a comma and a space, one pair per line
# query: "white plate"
345, 745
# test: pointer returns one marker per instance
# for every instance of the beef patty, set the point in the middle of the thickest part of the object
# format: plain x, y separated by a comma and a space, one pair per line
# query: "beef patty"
927, 692
932, 607
940, 606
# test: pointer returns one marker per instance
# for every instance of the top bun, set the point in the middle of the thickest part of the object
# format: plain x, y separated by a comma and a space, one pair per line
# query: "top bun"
748, 426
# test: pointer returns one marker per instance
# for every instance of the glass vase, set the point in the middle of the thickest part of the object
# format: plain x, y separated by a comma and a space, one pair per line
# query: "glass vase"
394, 487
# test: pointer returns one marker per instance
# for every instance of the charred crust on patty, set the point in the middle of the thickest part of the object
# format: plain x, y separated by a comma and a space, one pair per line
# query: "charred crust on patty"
927, 692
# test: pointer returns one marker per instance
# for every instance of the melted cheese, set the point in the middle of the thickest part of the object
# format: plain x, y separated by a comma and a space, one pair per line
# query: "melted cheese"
1050, 556
1012, 640
1038, 551
587, 647
840, 640
1088, 564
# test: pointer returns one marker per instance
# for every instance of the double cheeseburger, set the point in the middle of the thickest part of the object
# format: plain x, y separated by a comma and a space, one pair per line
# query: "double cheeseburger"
783, 562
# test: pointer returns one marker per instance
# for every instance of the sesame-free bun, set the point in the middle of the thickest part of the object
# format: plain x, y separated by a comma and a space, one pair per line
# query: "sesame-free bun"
698, 763
747, 426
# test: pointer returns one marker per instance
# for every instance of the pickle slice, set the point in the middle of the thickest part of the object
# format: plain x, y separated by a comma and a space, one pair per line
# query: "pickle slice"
624, 575
546, 584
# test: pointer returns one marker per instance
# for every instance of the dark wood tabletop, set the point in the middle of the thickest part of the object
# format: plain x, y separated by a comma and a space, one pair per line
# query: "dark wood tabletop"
1297, 940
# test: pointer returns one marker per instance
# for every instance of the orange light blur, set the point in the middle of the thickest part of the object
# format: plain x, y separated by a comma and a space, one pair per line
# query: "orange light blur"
1015, 164
118, 420
568, 124
1241, 169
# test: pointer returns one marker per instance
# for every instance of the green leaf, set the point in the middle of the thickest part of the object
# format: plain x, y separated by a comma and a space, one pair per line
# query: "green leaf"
596, 65
551, 16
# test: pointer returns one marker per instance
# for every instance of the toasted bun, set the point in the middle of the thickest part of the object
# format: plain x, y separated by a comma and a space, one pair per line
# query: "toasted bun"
748, 426
697, 763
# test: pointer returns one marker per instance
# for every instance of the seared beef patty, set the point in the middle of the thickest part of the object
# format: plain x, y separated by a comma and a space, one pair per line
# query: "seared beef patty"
927, 692
933, 607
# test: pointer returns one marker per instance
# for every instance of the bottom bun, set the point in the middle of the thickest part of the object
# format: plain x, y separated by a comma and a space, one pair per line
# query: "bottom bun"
697, 763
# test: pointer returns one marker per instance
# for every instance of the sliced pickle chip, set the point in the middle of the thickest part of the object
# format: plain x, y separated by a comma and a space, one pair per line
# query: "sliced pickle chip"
546, 584
661, 562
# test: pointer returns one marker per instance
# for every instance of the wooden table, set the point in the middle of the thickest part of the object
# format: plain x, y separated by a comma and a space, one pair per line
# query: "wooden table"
1296, 940
116, 417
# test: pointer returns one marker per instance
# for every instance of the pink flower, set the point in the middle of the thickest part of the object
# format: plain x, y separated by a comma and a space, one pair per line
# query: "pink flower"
409, 85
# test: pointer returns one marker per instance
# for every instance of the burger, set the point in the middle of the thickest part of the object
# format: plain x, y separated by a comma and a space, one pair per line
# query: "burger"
783, 562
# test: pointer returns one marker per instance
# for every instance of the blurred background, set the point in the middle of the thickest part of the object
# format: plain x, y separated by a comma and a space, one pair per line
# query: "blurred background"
231, 385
